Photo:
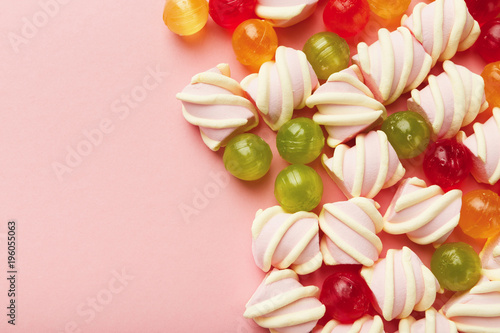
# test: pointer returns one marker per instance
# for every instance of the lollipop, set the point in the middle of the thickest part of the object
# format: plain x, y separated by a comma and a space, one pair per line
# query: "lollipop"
285, 13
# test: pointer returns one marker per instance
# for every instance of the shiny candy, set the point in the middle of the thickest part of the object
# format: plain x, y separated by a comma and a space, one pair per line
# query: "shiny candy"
300, 140
491, 77
488, 43
389, 9
185, 17
480, 214
346, 17
230, 13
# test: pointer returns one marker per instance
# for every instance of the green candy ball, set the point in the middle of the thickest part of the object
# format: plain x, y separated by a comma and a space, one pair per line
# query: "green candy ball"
300, 140
247, 157
298, 188
456, 266
327, 53
407, 132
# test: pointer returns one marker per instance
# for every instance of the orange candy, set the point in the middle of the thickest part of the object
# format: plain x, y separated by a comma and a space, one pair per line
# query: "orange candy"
254, 42
389, 9
185, 17
479, 216
491, 76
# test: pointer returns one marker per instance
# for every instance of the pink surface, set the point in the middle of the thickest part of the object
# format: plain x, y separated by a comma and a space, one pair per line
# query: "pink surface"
126, 221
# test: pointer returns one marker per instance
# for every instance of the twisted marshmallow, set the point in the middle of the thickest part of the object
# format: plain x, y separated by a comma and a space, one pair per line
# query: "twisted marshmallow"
477, 310
443, 27
393, 65
346, 106
215, 102
365, 169
425, 214
451, 100
490, 258
285, 240
401, 283
365, 324
350, 232
483, 145
284, 305
285, 13
281, 86
434, 322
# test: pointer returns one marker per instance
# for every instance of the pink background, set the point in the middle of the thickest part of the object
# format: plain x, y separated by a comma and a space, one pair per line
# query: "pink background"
126, 222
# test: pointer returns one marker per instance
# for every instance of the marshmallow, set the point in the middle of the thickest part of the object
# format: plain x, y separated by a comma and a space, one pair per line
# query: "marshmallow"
401, 283
365, 324
443, 27
350, 232
215, 102
434, 322
346, 106
284, 13
393, 65
284, 305
284, 240
425, 214
451, 100
365, 169
281, 86
490, 258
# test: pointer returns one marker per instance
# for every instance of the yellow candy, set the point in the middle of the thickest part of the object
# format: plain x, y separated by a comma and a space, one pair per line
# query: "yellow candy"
185, 17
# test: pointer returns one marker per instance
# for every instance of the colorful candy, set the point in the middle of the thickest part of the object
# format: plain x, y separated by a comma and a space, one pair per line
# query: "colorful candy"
345, 294
491, 77
389, 9
327, 53
185, 17
408, 133
247, 157
298, 187
346, 17
447, 163
300, 140
480, 214
456, 266
488, 43
483, 10
230, 13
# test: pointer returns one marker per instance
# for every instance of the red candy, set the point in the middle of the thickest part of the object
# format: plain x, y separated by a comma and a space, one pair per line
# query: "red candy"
447, 163
346, 17
483, 10
230, 13
345, 294
488, 43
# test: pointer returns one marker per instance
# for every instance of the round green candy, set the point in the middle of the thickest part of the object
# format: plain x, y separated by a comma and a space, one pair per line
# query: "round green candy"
327, 53
300, 140
407, 132
456, 266
247, 157
298, 188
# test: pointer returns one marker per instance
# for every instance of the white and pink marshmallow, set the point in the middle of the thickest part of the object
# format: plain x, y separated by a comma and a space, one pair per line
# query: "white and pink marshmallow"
490, 258
365, 324
283, 305
281, 86
483, 144
433, 322
449, 101
350, 231
283, 240
366, 168
217, 104
394, 64
401, 283
345, 106
285, 13
443, 27
426, 214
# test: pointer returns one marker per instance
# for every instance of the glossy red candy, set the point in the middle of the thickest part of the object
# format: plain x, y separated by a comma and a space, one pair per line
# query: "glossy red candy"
488, 43
345, 294
483, 10
447, 163
346, 17
230, 13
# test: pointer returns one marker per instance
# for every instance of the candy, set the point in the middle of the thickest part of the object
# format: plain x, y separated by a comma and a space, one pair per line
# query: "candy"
185, 17
408, 133
456, 266
346, 17
483, 10
490, 258
491, 76
488, 44
247, 157
285, 13
389, 9
433, 322
365, 324
447, 163
300, 140
480, 214
327, 53
254, 42
298, 187
345, 294
230, 13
